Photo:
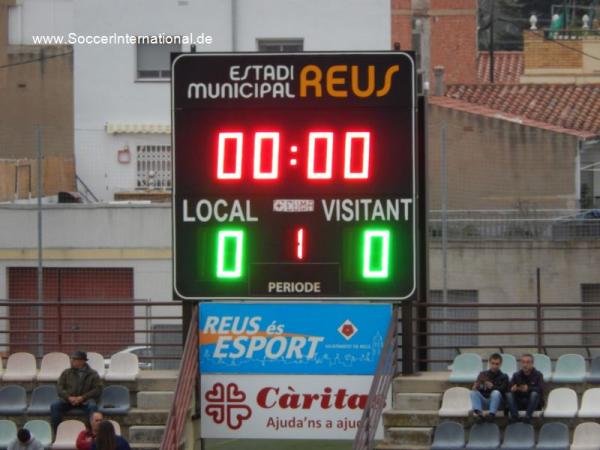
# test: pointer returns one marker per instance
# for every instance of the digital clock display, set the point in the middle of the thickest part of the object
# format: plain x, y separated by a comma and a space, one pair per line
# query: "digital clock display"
294, 176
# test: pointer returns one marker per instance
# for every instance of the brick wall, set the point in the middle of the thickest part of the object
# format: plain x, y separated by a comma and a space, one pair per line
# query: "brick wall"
540, 53
401, 24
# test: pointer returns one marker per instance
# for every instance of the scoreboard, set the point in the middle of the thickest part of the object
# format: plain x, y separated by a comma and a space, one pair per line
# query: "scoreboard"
294, 176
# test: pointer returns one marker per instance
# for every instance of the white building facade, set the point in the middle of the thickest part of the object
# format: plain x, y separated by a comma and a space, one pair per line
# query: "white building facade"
122, 91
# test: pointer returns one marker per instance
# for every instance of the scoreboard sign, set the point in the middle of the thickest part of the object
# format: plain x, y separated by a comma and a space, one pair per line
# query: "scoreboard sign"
294, 176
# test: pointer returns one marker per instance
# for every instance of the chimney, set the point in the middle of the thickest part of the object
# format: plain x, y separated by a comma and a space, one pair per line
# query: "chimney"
438, 73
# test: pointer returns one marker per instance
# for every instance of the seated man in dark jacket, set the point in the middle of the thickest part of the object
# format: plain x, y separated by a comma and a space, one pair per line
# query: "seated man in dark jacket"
526, 390
489, 389
78, 387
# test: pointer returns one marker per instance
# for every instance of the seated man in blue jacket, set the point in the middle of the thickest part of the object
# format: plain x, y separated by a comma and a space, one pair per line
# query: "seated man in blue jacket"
488, 391
526, 390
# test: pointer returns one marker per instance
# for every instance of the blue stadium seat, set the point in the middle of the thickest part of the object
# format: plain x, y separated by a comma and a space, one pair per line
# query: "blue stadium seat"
594, 376
543, 363
465, 368
41, 399
114, 400
519, 436
553, 436
41, 430
484, 436
509, 364
448, 436
570, 368
13, 400
8, 433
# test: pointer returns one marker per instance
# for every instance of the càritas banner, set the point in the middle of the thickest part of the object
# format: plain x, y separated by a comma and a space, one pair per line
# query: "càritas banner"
283, 407
297, 338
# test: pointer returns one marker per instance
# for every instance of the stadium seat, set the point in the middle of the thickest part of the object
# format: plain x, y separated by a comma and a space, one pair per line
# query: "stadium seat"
465, 368
66, 434
96, 362
448, 436
543, 363
456, 402
114, 400
553, 436
123, 367
20, 367
52, 366
594, 376
13, 400
509, 364
484, 436
586, 437
41, 399
519, 436
8, 433
590, 403
570, 368
41, 430
562, 402
117, 427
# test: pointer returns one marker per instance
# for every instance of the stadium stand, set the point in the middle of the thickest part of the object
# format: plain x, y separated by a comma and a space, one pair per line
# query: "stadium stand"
484, 436
114, 400
594, 375
553, 436
509, 364
96, 362
465, 368
123, 367
20, 367
8, 433
562, 402
455, 403
13, 400
543, 363
570, 368
448, 436
66, 434
41, 430
52, 366
41, 399
586, 437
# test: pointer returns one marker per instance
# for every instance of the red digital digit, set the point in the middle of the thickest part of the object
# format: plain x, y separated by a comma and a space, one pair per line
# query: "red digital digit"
323, 138
226, 170
300, 243
350, 165
273, 172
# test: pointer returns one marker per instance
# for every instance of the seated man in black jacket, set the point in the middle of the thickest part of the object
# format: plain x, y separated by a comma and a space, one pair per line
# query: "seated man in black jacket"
489, 389
526, 390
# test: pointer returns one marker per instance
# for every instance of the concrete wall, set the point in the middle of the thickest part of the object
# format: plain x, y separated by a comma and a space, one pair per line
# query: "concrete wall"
498, 164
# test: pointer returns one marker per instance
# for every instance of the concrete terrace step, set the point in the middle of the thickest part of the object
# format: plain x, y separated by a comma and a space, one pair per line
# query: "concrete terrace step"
155, 399
143, 434
145, 446
418, 401
392, 446
135, 417
409, 436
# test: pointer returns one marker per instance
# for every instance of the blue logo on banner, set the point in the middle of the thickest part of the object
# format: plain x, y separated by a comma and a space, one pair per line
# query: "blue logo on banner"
314, 339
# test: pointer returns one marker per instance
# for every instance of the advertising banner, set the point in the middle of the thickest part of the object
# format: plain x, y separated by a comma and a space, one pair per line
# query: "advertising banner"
297, 338
283, 406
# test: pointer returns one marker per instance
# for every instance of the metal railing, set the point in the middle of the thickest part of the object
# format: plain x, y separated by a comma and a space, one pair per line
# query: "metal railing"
173, 436
516, 225
386, 371
447, 329
102, 326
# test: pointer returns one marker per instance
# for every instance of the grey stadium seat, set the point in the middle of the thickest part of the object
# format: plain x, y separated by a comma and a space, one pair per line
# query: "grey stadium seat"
594, 376
553, 436
41, 430
41, 399
8, 433
485, 436
519, 436
448, 436
114, 400
13, 400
